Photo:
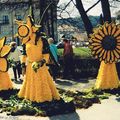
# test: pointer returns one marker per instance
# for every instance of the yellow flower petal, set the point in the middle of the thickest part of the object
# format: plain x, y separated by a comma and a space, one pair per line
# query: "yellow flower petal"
96, 47
105, 30
113, 30
118, 37
96, 44
109, 29
98, 37
99, 50
102, 52
117, 33
2, 42
105, 54
112, 56
118, 50
118, 47
116, 54
108, 56
101, 33
3, 65
96, 40
5, 50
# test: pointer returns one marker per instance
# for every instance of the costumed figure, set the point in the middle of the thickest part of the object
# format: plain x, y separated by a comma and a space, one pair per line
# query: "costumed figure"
38, 85
5, 82
105, 45
14, 58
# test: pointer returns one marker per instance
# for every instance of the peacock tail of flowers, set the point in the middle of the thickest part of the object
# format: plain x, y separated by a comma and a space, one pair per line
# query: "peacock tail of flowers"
105, 42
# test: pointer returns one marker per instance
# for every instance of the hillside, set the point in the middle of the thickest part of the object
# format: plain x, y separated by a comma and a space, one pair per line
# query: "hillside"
75, 27
77, 22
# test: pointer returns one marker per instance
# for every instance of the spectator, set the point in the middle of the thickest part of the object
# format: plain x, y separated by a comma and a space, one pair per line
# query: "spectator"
14, 58
68, 71
52, 67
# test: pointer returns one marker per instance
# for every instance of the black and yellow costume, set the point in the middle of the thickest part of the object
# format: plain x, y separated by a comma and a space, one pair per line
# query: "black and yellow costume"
38, 85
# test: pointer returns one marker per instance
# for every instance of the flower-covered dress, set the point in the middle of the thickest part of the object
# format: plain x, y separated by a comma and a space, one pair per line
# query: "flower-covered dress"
105, 82
37, 86
5, 81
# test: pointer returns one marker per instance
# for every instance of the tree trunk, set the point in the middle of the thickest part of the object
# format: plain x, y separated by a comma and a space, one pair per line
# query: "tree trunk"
31, 9
106, 10
86, 21
42, 4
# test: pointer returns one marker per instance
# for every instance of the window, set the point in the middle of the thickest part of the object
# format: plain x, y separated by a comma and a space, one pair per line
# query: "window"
18, 17
5, 19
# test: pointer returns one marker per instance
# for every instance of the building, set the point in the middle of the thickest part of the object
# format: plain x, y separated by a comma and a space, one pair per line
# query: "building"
19, 9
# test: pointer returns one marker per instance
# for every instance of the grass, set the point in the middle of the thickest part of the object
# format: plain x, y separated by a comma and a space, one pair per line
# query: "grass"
81, 52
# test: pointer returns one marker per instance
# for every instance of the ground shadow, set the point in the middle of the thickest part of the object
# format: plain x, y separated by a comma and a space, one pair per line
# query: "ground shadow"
64, 82
72, 116
82, 80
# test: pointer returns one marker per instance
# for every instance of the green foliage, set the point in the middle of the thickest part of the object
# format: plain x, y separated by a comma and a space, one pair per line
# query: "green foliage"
79, 52
69, 100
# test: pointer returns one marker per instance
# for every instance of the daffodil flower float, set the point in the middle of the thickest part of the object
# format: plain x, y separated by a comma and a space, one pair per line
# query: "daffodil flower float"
105, 46
5, 82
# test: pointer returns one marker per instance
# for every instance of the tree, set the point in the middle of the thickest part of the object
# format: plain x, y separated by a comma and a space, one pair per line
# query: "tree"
86, 21
105, 15
106, 10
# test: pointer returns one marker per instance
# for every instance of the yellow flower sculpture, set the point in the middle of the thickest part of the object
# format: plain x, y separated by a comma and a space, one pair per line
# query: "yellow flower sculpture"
38, 85
105, 45
26, 29
4, 51
105, 42
5, 82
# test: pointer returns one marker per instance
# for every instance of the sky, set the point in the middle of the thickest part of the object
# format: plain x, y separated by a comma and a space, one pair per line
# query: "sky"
96, 11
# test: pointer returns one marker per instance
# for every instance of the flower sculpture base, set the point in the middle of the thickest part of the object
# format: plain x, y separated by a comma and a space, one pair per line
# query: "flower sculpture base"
107, 76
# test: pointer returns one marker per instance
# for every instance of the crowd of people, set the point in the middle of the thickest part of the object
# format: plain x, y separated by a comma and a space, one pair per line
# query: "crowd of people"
68, 63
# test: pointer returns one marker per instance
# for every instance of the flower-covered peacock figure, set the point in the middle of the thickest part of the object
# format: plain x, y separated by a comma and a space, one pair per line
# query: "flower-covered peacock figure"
5, 82
105, 45
38, 85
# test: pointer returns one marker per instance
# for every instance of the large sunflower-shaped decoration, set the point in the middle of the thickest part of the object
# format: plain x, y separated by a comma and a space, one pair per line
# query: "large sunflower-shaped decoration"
4, 51
26, 29
105, 42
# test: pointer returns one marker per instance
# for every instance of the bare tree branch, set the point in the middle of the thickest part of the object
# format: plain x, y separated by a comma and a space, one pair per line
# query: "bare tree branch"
93, 6
66, 6
73, 3
60, 14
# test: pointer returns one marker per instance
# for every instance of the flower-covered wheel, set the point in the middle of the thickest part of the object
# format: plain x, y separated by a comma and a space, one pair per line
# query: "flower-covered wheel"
105, 42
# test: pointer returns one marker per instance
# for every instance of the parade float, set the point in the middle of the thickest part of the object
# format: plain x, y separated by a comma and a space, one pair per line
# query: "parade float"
105, 46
